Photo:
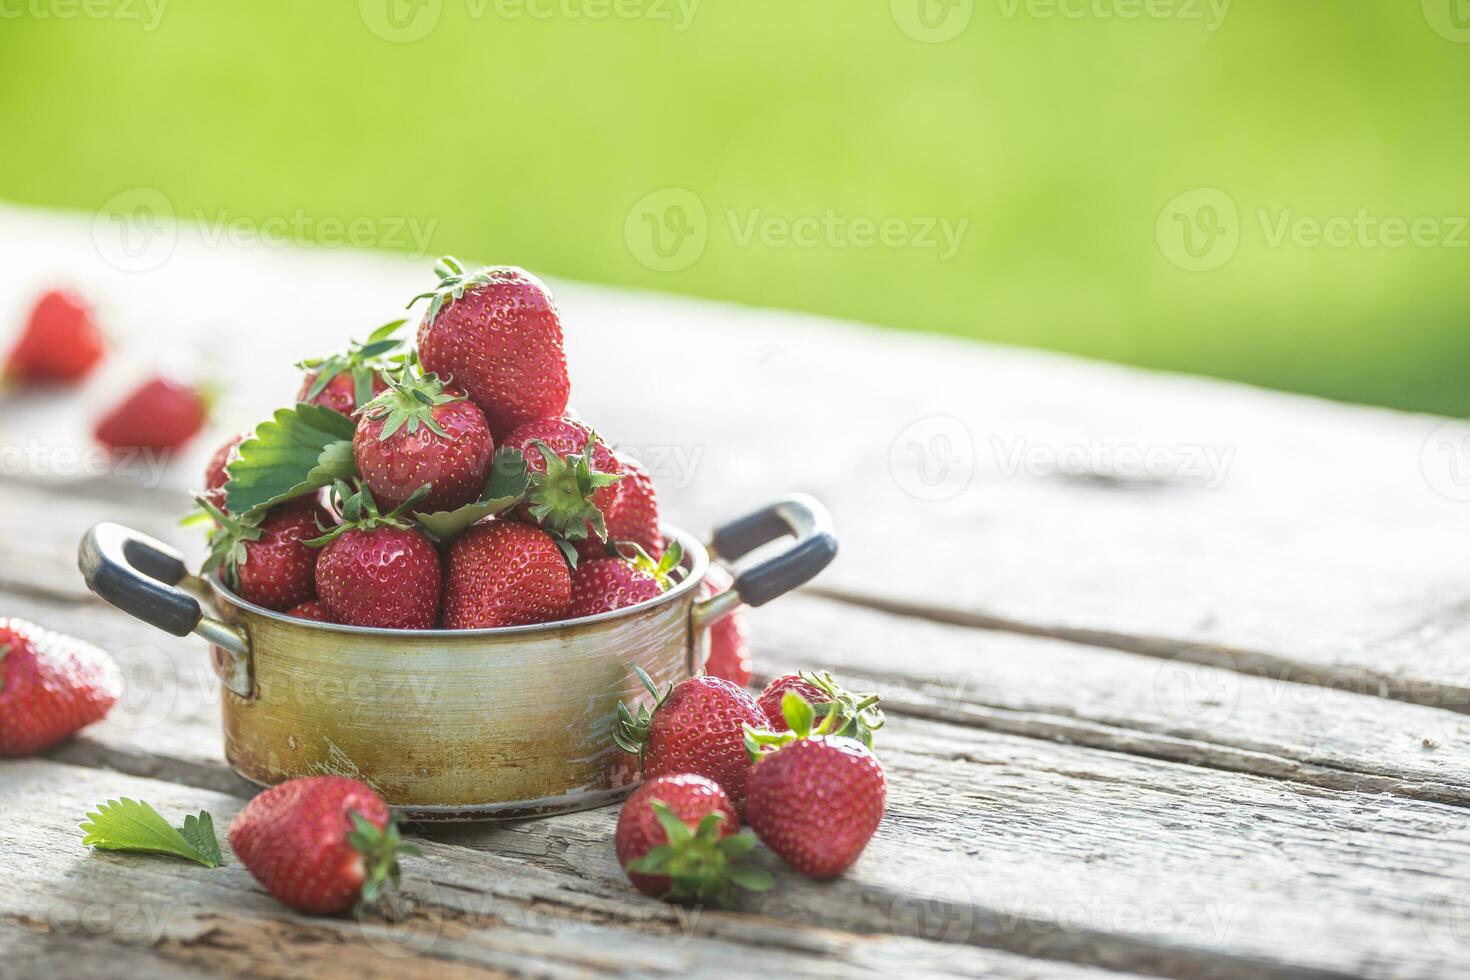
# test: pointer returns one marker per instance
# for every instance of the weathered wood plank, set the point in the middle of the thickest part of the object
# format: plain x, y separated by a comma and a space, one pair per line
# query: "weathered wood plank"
475, 913
1019, 826
40, 530
1175, 709
1035, 687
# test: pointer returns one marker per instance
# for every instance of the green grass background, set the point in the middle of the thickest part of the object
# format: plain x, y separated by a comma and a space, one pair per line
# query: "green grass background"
528, 140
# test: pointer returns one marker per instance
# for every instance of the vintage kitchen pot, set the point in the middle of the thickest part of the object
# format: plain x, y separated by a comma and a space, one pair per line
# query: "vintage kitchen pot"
451, 724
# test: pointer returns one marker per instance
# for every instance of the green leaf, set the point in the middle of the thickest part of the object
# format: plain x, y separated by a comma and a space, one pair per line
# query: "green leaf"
798, 713
299, 450
750, 878
132, 825
677, 830
503, 490
199, 831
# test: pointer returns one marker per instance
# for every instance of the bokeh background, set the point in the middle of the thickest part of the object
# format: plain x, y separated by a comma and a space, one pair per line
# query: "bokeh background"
1136, 180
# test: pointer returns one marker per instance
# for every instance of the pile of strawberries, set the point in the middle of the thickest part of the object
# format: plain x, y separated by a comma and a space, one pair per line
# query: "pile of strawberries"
61, 345
445, 486
797, 764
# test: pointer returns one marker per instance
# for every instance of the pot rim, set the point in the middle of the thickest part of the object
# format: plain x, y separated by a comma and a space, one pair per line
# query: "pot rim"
697, 563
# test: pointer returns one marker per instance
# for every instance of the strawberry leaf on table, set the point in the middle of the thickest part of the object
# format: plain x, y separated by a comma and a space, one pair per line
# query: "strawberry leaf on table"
132, 825
199, 831
299, 450
504, 489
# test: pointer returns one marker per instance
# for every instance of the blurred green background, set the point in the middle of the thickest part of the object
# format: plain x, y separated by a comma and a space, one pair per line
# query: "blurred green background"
1054, 136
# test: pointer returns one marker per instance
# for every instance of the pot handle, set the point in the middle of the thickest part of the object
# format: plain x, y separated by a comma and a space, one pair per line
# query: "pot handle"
798, 516
140, 575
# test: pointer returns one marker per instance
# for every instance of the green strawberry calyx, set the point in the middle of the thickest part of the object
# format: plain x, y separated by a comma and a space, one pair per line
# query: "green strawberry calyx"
800, 715
228, 540
380, 849
362, 360
632, 730
857, 715
359, 511
560, 499
407, 404
454, 282
663, 569
701, 865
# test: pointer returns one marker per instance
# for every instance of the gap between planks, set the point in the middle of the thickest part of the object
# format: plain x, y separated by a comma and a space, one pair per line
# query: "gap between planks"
1360, 680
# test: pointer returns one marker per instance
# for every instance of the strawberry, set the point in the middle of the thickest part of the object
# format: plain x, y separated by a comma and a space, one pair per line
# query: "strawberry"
321, 845
678, 839
697, 726
313, 609
495, 332
633, 515
572, 477
505, 573
857, 715
813, 798
216, 474
50, 686
163, 414
728, 655
417, 434
265, 558
60, 343
605, 584
348, 380
377, 569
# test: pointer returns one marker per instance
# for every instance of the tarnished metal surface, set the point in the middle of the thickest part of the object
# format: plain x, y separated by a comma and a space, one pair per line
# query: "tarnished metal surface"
454, 725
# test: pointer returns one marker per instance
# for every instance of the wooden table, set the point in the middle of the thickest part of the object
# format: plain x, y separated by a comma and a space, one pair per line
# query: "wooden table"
1176, 670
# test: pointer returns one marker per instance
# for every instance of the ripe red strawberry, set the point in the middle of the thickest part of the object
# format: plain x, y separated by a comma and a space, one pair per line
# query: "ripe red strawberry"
59, 345
348, 380
729, 657
313, 609
678, 839
633, 515
857, 715
573, 479
216, 474
496, 333
605, 584
697, 726
378, 569
265, 559
505, 573
163, 414
50, 686
418, 434
814, 799
321, 845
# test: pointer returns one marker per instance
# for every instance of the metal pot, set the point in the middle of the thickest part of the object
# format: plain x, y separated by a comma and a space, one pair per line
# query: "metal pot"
451, 724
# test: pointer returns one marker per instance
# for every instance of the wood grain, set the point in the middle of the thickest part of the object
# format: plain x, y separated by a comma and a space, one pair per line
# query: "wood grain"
474, 913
